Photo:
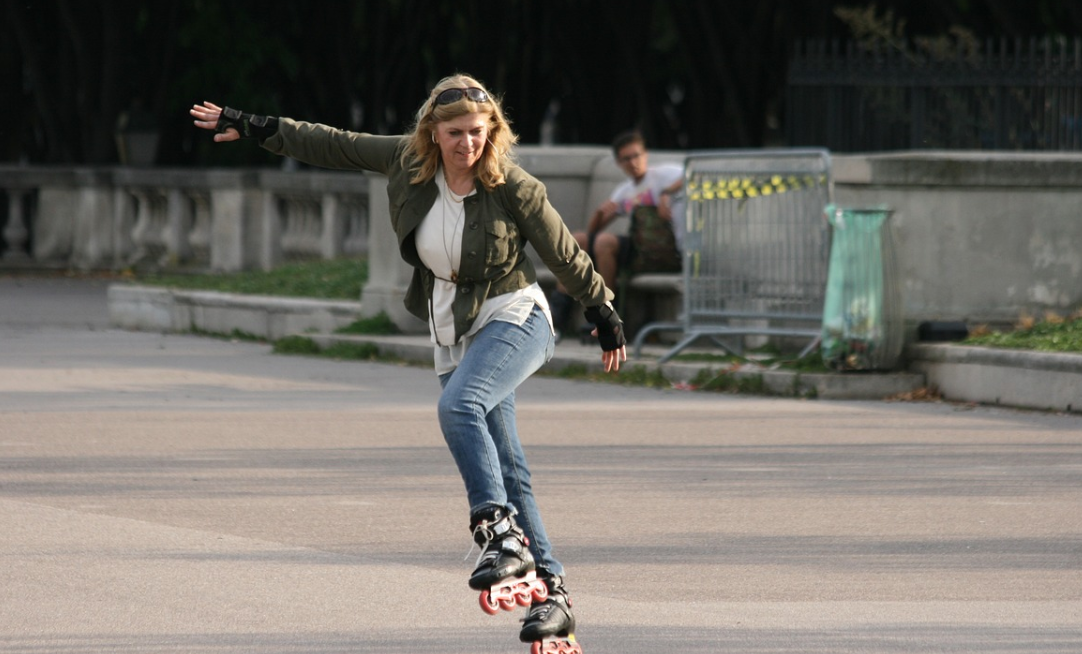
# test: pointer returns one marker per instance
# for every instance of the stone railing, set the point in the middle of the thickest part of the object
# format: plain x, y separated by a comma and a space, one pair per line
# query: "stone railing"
224, 220
981, 237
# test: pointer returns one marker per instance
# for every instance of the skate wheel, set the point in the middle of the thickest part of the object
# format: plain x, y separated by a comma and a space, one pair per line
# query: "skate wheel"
488, 605
536, 647
507, 604
540, 593
523, 597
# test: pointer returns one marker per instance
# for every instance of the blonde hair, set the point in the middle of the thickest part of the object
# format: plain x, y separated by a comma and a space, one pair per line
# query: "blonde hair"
422, 155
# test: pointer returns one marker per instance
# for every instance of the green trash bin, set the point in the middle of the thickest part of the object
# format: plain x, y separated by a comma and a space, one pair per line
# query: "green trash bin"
863, 321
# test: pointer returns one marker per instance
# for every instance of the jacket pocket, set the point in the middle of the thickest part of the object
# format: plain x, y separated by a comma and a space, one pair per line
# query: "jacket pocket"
498, 239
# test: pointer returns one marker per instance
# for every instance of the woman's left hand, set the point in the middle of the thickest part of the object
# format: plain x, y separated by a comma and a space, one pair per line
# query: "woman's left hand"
612, 358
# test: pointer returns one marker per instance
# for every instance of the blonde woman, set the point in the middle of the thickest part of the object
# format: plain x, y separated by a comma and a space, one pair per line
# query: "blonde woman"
463, 213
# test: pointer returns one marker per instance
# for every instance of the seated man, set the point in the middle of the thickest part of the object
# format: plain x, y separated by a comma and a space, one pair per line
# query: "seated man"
647, 186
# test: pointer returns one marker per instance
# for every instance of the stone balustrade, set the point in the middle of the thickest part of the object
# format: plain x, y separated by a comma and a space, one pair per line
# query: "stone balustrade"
171, 219
981, 237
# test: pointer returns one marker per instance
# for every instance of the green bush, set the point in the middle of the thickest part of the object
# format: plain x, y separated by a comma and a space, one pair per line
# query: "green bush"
353, 351
296, 345
379, 324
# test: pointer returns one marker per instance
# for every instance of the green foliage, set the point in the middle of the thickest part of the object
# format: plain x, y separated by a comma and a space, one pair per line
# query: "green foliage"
725, 382
353, 351
637, 376
810, 363
573, 371
296, 345
238, 57
341, 350
1045, 336
379, 324
627, 376
765, 357
235, 335
340, 279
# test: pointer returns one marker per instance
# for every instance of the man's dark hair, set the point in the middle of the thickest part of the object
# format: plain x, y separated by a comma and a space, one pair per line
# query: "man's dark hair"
627, 138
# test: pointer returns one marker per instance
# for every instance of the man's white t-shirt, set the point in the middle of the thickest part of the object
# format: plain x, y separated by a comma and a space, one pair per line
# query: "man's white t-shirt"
647, 192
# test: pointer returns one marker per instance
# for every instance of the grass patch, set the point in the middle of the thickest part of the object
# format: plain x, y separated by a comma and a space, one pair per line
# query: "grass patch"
765, 357
379, 324
339, 279
296, 345
708, 357
811, 363
341, 350
353, 351
1053, 334
724, 382
235, 335
627, 376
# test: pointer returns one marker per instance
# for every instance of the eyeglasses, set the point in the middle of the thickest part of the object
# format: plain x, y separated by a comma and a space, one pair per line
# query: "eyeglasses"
454, 95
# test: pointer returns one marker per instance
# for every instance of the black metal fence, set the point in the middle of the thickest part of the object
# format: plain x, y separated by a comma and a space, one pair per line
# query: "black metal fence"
1001, 95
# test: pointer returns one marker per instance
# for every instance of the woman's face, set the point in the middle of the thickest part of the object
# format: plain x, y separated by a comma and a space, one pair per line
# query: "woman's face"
462, 140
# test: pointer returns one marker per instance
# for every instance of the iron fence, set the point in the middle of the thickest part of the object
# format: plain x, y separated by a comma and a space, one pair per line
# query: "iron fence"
1001, 95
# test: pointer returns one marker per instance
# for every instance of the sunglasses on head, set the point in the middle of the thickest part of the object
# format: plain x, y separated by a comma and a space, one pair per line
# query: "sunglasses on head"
454, 95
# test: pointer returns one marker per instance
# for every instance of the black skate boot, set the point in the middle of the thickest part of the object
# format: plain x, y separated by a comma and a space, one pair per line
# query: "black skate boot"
550, 625
505, 569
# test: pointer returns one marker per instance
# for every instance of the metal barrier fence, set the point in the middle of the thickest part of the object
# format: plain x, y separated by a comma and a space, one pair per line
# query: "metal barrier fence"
756, 248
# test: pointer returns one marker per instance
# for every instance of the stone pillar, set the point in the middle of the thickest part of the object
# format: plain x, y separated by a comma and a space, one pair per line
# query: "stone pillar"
227, 229
16, 234
177, 221
388, 275
92, 246
123, 227
330, 238
270, 231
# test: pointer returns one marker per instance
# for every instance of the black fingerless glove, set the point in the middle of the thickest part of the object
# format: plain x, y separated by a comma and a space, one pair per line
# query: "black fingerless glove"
247, 125
610, 329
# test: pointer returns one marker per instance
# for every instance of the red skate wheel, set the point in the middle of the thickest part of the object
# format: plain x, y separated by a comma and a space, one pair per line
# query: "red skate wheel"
487, 605
540, 593
507, 604
536, 647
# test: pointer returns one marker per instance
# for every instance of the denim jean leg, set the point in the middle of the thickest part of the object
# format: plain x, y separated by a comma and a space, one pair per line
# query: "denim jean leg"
501, 357
516, 479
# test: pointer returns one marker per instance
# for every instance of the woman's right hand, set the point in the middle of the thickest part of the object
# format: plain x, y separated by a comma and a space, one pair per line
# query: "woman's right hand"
206, 117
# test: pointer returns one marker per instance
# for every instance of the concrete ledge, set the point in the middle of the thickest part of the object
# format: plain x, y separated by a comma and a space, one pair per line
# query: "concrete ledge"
1034, 380
172, 310
832, 386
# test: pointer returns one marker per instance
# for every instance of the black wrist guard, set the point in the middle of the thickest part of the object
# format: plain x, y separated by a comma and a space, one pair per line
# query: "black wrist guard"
610, 329
247, 125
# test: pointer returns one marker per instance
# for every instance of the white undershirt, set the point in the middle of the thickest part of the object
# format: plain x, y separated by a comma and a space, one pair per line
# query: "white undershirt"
439, 244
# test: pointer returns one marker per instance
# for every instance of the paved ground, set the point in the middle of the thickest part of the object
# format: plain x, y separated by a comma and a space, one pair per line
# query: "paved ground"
182, 494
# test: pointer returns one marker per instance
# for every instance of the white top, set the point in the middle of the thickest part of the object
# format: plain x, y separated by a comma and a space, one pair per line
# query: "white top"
439, 244
647, 192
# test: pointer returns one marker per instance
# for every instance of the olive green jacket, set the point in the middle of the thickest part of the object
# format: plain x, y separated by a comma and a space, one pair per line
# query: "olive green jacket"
498, 223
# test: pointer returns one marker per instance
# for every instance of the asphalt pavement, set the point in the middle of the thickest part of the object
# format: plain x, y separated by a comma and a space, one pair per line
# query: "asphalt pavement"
173, 493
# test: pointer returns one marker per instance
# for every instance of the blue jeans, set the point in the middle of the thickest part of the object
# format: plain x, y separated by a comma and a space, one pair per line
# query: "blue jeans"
477, 416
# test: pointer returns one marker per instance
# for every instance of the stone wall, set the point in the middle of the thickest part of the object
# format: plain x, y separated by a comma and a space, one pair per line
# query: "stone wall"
981, 237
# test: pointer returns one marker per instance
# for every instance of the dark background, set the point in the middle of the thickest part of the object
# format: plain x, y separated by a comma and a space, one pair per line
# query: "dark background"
690, 73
